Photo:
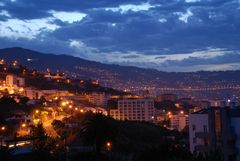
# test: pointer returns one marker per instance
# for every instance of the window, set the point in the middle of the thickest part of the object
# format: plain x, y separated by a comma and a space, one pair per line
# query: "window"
193, 127
204, 128
194, 140
205, 142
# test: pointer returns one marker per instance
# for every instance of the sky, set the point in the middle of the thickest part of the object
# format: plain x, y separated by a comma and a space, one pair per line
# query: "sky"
168, 35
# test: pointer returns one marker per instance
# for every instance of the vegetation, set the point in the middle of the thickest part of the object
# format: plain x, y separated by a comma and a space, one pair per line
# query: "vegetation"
110, 140
43, 145
97, 130
11, 104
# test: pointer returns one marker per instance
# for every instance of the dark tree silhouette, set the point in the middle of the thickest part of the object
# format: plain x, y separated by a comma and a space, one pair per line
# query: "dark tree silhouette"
43, 145
97, 130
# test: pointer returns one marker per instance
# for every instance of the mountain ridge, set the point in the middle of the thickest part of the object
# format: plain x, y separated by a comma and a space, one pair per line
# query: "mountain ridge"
114, 75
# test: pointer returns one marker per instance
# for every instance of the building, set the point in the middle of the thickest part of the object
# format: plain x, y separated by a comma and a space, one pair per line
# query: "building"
134, 110
178, 121
218, 103
12, 80
33, 93
214, 129
166, 97
99, 99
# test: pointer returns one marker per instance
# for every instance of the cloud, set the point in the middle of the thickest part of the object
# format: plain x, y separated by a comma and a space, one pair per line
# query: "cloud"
130, 7
15, 28
184, 16
192, 1
4, 13
162, 20
166, 35
2, 4
68, 17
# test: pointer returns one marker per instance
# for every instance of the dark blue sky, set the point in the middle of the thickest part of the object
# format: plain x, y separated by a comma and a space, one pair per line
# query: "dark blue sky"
169, 35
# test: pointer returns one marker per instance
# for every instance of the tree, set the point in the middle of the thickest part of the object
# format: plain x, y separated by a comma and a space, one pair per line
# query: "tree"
97, 130
23, 101
164, 152
43, 145
7, 106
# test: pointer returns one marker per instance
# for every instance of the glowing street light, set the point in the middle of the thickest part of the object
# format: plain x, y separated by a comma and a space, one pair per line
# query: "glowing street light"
21, 90
36, 121
64, 104
108, 145
37, 111
181, 112
3, 128
24, 125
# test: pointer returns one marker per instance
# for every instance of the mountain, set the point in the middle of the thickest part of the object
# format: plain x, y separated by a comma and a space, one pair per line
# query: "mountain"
116, 76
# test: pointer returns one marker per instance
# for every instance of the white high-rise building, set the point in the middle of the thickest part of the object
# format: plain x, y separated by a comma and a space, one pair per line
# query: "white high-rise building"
99, 99
134, 109
215, 129
178, 121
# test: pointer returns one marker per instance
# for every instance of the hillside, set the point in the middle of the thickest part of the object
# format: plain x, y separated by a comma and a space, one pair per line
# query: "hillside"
115, 75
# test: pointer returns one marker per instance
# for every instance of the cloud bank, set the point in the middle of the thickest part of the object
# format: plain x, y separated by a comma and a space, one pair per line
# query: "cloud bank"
168, 35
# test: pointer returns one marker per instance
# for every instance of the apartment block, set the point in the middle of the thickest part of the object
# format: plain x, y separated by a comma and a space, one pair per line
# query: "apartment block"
134, 109
216, 128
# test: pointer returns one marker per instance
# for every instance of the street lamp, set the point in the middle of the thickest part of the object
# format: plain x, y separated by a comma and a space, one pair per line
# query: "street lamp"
109, 146
23, 125
37, 111
3, 128
63, 104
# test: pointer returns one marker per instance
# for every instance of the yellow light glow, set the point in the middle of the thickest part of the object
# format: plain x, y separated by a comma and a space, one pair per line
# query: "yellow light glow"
181, 112
37, 111
108, 144
24, 125
3, 128
11, 91
21, 90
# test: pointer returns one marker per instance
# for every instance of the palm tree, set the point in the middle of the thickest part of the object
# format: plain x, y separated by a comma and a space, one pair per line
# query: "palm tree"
97, 130
43, 145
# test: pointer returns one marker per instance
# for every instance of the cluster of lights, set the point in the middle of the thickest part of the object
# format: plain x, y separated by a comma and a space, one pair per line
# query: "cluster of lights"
14, 63
65, 103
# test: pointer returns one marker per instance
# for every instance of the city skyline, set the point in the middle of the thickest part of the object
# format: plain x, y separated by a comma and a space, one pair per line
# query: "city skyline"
176, 35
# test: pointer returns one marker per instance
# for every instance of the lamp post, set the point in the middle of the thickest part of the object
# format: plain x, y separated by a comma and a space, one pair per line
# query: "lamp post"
109, 146
3, 129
